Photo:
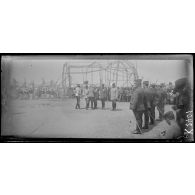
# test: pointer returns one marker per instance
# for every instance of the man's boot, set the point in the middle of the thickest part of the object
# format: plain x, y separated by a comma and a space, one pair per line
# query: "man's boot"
145, 127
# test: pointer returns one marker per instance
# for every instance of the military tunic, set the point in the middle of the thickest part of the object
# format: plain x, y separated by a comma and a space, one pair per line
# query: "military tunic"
113, 97
161, 102
137, 104
103, 96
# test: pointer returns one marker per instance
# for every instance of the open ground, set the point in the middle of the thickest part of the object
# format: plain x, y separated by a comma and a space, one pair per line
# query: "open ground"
59, 119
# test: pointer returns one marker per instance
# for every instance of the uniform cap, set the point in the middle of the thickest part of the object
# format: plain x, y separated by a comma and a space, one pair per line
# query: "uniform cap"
180, 83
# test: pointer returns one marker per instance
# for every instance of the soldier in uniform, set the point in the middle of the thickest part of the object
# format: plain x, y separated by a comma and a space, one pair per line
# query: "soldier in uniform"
86, 95
91, 96
183, 101
78, 95
148, 103
137, 104
103, 94
153, 103
161, 101
113, 96
96, 97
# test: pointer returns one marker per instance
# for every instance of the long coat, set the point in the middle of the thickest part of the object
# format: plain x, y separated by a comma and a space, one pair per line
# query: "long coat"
113, 94
91, 92
86, 93
150, 96
138, 102
103, 93
161, 97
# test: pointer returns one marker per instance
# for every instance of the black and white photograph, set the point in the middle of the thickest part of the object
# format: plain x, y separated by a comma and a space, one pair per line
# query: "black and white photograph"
97, 97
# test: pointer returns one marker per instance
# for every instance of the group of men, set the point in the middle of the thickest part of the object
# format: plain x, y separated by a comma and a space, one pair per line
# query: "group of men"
144, 100
92, 94
125, 94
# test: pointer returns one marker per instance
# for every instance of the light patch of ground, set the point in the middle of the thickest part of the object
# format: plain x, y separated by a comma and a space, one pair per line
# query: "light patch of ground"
60, 119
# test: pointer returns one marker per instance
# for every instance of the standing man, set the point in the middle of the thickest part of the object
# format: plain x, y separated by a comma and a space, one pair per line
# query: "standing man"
86, 95
103, 95
154, 100
78, 96
113, 96
148, 103
137, 104
161, 101
91, 96
96, 97
184, 101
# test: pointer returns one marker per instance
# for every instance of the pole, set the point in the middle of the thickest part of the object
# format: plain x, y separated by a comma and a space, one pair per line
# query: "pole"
91, 75
63, 79
117, 73
69, 77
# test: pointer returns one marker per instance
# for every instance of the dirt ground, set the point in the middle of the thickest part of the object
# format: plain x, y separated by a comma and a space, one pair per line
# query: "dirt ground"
60, 119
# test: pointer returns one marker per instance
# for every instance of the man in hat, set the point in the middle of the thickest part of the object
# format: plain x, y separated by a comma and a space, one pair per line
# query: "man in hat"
77, 95
91, 96
153, 103
96, 96
86, 95
103, 95
148, 103
161, 100
137, 104
183, 101
113, 96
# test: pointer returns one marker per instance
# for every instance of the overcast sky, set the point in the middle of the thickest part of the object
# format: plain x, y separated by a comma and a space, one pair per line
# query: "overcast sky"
151, 70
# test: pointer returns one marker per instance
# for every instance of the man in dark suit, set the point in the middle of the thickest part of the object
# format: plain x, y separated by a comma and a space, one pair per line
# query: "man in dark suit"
96, 96
161, 100
184, 101
137, 104
103, 95
154, 102
148, 103
91, 96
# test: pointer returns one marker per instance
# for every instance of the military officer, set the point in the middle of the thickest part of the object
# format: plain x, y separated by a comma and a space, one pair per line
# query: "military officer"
161, 100
154, 101
103, 94
96, 97
183, 102
86, 95
91, 96
137, 104
148, 103
78, 96
113, 96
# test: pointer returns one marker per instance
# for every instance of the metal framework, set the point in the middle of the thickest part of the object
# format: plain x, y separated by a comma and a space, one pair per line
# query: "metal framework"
121, 72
